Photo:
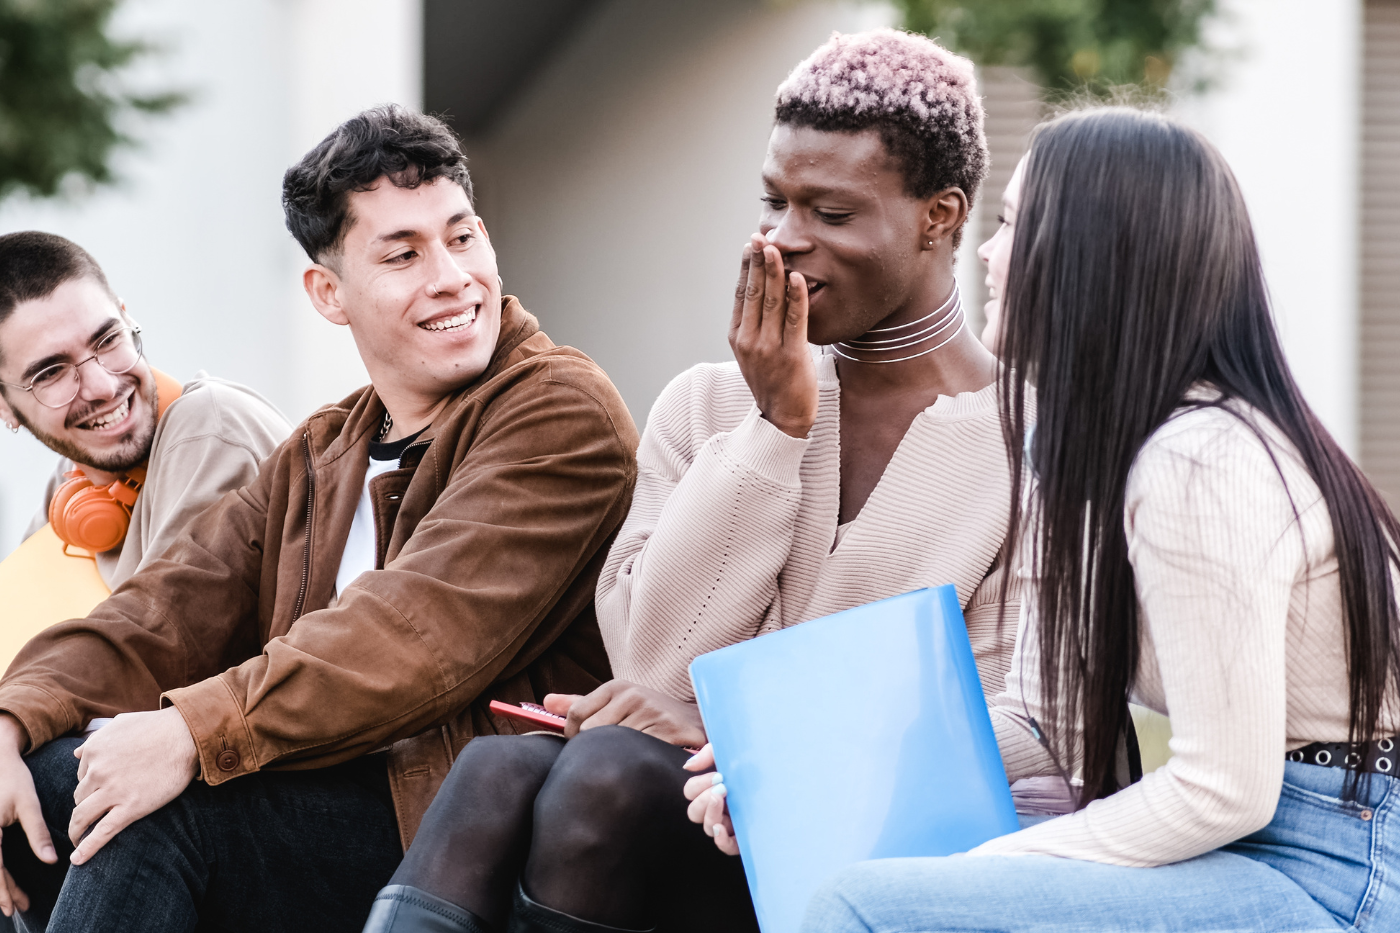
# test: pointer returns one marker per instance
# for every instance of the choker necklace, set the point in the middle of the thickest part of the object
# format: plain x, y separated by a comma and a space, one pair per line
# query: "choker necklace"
947, 314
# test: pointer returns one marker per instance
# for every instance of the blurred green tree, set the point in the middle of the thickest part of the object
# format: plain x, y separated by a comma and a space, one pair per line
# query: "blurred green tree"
61, 97
1070, 45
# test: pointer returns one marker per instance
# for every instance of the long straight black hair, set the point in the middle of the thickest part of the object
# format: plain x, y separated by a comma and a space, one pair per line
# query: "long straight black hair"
1134, 275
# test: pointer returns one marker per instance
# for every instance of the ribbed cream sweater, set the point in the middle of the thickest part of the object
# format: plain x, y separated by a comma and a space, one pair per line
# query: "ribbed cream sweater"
1242, 645
733, 523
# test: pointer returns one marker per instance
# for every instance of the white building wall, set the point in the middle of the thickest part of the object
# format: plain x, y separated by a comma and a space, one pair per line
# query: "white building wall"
619, 190
623, 185
193, 238
1286, 116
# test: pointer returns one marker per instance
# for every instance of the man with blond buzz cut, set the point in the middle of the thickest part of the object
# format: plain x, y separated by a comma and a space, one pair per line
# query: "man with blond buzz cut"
314, 651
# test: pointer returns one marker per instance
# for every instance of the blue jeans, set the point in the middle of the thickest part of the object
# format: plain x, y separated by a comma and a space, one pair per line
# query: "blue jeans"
296, 851
1321, 864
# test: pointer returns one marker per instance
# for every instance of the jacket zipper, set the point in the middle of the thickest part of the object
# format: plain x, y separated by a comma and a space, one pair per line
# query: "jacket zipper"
306, 552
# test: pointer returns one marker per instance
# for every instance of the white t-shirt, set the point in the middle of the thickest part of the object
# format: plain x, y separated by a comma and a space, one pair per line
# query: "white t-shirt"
360, 550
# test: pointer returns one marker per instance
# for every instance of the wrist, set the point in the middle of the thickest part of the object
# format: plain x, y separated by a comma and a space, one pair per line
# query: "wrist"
12, 734
183, 740
797, 429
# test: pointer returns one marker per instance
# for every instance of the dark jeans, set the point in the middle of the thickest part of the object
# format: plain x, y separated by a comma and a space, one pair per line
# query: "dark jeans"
300, 851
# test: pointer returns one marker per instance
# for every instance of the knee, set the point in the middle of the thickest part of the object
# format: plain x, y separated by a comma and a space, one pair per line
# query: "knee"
55, 772
501, 765
613, 777
836, 905
492, 786
829, 910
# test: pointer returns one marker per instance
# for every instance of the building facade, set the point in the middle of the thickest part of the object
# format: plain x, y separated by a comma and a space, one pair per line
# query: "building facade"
616, 147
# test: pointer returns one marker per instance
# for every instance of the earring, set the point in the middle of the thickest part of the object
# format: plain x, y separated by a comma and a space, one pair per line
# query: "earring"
930, 242
14, 428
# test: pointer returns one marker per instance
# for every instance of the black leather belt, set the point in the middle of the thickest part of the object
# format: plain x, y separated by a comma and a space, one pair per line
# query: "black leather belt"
1380, 757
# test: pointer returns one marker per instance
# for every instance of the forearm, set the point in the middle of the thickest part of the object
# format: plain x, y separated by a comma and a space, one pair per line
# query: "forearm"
696, 565
168, 625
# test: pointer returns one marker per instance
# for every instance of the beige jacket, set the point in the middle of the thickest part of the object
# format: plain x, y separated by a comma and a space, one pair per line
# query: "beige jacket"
210, 441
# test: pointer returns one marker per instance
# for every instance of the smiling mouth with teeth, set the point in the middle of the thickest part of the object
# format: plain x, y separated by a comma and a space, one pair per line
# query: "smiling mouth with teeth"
456, 322
112, 417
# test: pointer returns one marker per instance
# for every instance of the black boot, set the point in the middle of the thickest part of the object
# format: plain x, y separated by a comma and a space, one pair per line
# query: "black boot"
401, 908
533, 917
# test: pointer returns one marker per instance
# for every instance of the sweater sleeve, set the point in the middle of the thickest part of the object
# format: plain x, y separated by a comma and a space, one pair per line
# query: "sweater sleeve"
214, 441
991, 627
695, 566
1021, 754
1216, 551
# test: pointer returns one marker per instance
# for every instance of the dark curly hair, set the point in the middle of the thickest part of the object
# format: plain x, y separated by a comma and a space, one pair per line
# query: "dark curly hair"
391, 142
921, 98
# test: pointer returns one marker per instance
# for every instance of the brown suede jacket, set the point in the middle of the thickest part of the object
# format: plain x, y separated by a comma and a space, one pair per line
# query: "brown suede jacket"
490, 539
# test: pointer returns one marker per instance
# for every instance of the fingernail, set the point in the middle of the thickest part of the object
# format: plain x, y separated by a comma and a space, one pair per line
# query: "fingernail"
48, 853
691, 760
719, 790
719, 831
716, 778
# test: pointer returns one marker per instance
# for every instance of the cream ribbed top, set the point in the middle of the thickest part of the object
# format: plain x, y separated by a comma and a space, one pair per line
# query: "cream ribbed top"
733, 524
1242, 645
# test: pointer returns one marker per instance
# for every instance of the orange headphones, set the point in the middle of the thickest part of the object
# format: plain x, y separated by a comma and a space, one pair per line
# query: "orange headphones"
95, 518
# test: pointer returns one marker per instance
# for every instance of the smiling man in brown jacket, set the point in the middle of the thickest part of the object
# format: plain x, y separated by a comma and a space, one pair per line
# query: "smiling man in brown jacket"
298, 671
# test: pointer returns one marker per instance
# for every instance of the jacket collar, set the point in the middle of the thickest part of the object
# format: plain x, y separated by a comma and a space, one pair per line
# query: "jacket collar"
339, 428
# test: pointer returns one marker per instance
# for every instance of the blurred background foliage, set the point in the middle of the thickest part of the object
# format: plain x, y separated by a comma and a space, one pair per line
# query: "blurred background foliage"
1071, 46
62, 99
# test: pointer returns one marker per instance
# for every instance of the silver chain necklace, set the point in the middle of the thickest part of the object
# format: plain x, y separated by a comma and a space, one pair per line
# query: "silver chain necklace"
385, 426
953, 307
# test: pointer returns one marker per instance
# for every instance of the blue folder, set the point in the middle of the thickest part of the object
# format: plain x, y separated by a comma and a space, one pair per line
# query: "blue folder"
860, 735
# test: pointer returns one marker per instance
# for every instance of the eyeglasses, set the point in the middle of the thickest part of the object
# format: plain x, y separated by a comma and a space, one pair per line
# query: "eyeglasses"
57, 385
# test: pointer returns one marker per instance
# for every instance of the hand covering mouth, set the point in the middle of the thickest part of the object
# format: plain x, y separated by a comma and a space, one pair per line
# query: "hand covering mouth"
813, 285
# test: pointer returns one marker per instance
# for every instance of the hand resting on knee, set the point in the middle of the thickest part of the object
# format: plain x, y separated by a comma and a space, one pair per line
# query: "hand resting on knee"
619, 703
19, 802
128, 769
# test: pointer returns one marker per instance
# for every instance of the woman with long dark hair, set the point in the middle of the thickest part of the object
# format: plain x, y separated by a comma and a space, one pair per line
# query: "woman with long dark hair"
1194, 538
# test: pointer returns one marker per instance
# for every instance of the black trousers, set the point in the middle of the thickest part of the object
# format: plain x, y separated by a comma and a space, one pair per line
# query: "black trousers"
595, 828
294, 851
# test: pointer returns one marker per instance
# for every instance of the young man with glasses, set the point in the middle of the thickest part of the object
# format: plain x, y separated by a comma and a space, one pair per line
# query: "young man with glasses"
313, 652
73, 373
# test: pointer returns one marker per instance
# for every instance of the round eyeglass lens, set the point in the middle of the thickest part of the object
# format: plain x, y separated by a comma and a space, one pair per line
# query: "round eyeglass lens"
119, 352
58, 385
